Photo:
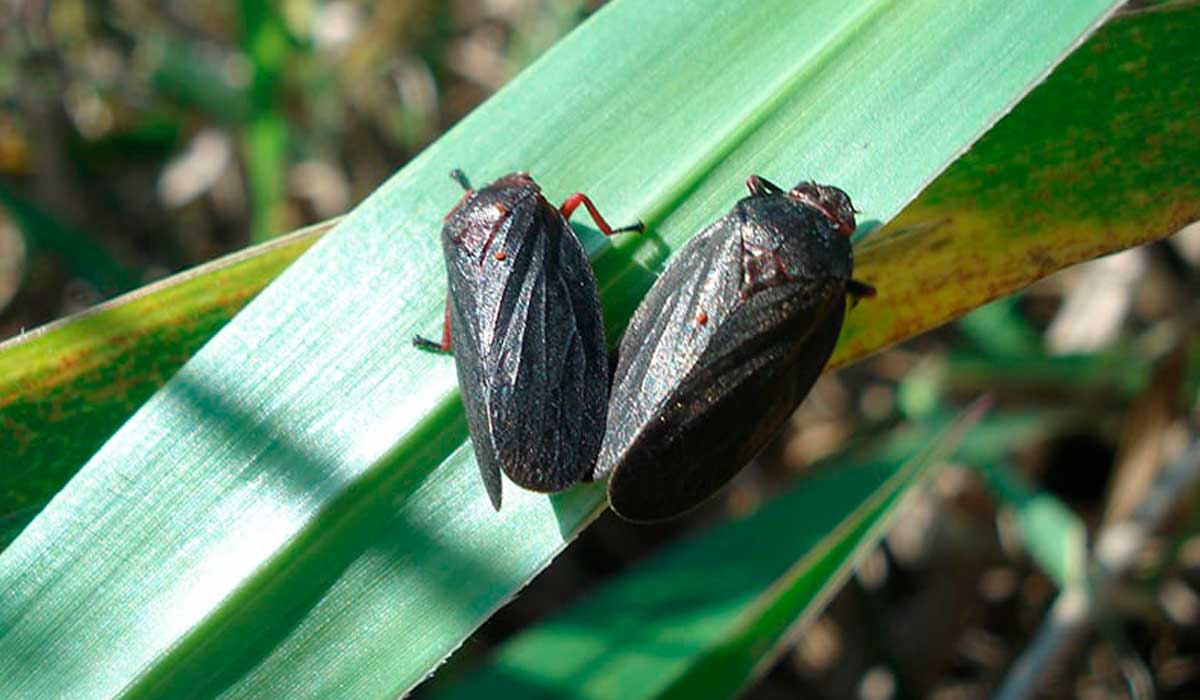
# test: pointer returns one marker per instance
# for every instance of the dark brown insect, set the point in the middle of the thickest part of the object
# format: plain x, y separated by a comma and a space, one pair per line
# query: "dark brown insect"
726, 344
523, 320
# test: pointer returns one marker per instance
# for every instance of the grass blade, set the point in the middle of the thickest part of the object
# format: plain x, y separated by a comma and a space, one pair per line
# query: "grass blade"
59, 415
296, 513
705, 617
65, 388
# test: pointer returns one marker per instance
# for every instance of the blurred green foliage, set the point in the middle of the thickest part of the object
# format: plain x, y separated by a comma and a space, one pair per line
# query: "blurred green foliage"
140, 139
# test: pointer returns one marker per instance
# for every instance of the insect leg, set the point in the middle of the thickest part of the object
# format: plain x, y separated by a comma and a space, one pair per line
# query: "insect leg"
443, 347
572, 203
859, 290
759, 186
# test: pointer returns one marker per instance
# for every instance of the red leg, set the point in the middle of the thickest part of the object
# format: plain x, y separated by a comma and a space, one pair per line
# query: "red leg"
444, 346
572, 203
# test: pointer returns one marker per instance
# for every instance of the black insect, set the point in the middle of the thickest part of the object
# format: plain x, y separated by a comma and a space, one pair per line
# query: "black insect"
523, 319
725, 345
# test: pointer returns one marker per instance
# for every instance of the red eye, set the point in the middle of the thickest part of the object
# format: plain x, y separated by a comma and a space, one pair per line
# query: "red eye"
831, 202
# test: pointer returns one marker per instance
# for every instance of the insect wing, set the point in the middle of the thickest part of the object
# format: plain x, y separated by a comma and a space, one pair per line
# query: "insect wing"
661, 343
546, 363
477, 282
707, 373
473, 386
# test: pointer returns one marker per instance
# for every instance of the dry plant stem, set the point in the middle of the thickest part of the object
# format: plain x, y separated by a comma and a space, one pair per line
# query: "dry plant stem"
1141, 444
1077, 609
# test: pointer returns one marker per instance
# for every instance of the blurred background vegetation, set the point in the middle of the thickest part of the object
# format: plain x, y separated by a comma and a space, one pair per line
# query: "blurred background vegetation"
137, 140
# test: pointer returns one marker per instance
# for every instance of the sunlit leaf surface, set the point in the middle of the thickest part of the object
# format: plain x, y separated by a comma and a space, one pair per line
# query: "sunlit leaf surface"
67, 388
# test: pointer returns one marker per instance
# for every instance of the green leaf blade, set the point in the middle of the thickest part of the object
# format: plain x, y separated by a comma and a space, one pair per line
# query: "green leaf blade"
66, 388
705, 617
132, 579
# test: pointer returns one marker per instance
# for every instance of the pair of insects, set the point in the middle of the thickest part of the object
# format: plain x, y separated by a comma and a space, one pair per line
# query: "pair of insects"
726, 344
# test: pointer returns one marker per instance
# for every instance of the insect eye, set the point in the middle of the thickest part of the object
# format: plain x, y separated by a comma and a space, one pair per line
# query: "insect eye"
831, 202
